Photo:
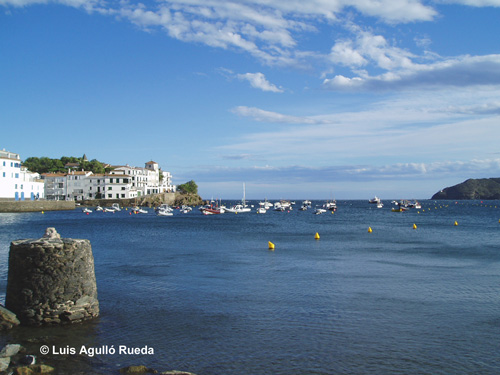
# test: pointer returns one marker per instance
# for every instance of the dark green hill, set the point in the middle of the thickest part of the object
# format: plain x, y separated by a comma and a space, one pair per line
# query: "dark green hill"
484, 188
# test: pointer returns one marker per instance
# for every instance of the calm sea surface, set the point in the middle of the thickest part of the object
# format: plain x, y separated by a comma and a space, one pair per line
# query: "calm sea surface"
206, 294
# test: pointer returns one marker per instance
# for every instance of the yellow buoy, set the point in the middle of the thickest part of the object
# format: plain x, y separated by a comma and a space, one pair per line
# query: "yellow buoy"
370, 229
271, 245
43, 212
456, 223
414, 226
316, 236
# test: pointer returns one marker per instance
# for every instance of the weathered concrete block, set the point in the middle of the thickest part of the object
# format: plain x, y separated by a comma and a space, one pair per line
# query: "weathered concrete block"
51, 274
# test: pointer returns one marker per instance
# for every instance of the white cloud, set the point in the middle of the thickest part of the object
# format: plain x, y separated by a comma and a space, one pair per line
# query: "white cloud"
274, 117
473, 3
268, 30
361, 172
88, 5
463, 71
259, 81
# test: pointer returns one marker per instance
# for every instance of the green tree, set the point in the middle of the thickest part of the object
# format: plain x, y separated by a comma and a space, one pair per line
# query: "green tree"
95, 166
46, 165
188, 187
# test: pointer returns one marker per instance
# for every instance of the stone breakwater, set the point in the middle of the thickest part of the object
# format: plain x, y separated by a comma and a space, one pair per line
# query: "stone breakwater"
36, 206
51, 280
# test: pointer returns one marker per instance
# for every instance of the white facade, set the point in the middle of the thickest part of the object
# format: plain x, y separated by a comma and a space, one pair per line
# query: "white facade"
78, 185
16, 182
147, 180
119, 186
122, 182
56, 188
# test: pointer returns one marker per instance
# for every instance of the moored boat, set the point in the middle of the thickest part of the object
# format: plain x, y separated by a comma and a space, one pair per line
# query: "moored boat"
240, 208
319, 211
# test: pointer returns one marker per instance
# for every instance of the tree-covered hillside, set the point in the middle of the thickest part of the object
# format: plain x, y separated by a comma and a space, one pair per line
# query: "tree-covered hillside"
484, 188
47, 165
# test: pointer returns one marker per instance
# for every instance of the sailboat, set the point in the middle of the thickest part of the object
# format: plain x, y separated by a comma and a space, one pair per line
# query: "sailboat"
240, 208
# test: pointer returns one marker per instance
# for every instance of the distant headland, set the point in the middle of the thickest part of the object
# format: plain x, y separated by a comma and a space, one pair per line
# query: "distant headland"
483, 188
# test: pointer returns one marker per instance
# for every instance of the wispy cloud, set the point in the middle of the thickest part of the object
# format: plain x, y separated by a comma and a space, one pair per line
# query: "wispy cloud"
340, 173
274, 117
464, 71
268, 30
271, 31
259, 81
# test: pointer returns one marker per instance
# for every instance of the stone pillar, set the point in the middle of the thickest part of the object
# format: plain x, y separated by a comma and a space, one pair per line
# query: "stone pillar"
51, 280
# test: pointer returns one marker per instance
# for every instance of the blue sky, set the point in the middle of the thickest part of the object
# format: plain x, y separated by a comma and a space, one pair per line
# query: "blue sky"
297, 99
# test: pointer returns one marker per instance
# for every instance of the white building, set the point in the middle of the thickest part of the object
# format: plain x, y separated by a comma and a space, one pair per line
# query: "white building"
16, 182
148, 180
123, 182
78, 185
56, 187
118, 186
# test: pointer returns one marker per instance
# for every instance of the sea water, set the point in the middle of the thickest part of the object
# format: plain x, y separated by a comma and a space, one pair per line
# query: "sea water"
204, 294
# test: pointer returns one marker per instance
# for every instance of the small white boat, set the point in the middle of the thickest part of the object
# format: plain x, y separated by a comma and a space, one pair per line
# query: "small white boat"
98, 208
319, 211
267, 205
374, 200
86, 210
240, 208
186, 209
380, 205
330, 205
262, 208
414, 204
164, 213
108, 209
116, 207
139, 210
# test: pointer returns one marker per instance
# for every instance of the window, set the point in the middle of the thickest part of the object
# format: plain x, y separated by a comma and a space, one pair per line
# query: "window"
109, 188
4, 172
110, 195
123, 195
17, 175
123, 187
